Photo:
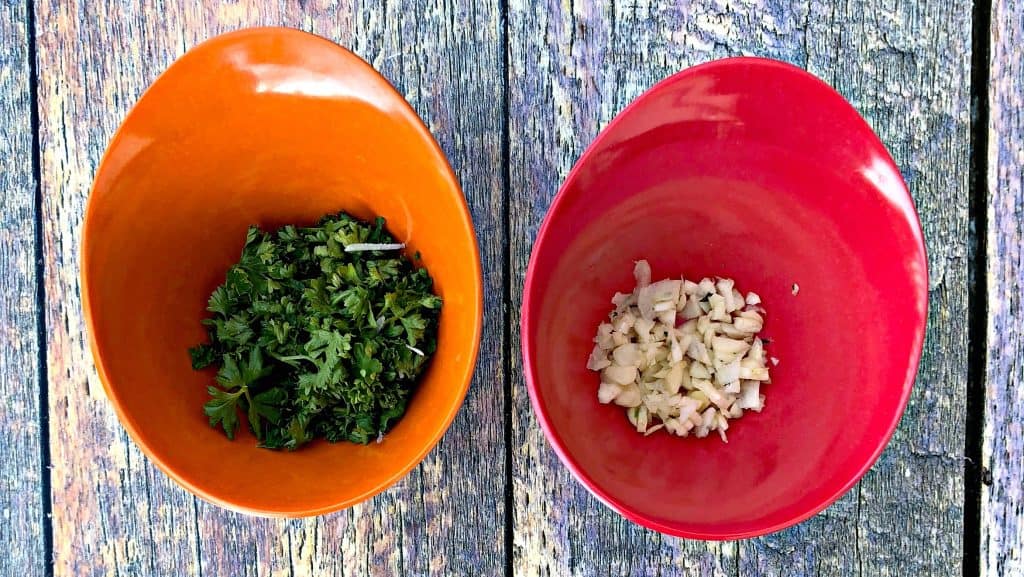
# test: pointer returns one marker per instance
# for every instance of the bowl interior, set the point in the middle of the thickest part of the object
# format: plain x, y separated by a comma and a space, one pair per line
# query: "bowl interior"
727, 170
265, 127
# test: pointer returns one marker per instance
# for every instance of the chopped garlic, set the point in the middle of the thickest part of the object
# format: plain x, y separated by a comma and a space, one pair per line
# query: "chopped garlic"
365, 246
690, 378
620, 375
630, 397
598, 359
607, 392
642, 274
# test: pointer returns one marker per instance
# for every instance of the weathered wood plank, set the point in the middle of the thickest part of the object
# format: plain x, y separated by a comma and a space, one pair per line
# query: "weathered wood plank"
906, 68
1002, 503
114, 513
572, 67
21, 494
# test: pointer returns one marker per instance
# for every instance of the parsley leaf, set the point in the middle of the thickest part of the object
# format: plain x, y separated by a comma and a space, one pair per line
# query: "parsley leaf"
202, 356
311, 341
222, 409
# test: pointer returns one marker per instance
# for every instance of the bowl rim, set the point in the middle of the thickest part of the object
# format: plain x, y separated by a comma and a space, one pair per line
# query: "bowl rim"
526, 341
465, 379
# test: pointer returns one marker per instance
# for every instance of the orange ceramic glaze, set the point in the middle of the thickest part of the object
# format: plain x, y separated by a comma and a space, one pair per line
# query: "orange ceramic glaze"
267, 126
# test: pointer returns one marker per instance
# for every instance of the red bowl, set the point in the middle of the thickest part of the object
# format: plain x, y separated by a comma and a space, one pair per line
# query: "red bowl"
754, 170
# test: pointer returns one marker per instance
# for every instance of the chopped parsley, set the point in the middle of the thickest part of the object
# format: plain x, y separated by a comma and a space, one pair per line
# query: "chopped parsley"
311, 340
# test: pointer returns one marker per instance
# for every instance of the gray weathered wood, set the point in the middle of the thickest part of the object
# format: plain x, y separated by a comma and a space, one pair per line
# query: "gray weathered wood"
572, 68
21, 468
906, 68
114, 513
1002, 503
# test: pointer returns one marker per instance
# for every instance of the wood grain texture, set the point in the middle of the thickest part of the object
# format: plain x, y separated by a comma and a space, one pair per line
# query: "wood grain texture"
1002, 503
21, 489
572, 67
114, 513
905, 66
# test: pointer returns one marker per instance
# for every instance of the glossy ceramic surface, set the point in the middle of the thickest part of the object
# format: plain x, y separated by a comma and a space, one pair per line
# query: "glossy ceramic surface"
266, 126
755, 170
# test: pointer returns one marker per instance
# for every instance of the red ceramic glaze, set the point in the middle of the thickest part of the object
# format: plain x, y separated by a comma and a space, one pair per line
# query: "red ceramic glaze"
755, 170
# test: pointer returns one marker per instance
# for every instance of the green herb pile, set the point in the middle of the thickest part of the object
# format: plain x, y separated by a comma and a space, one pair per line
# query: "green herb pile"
313, 341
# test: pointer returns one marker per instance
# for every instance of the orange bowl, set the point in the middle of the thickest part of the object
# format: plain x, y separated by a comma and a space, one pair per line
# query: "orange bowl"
266, 126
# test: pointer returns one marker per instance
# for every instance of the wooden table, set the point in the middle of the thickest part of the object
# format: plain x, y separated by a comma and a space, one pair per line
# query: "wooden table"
514, 90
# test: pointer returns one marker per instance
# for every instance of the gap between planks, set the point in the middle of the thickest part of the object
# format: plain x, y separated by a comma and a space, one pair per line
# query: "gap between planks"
977, 299
507, 316
45, 458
